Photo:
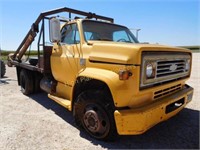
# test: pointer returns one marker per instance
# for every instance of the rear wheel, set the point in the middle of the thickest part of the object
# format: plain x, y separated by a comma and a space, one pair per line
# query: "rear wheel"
37, 79
33, 61
3, 69
95, 113
26, 82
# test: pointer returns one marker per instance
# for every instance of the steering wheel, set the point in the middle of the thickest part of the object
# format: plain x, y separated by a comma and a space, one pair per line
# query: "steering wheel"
121, 40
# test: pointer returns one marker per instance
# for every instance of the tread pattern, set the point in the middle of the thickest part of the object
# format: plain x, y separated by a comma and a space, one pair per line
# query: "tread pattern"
104, 101
26, 82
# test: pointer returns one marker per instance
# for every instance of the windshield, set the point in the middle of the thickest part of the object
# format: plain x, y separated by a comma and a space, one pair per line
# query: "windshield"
101, 31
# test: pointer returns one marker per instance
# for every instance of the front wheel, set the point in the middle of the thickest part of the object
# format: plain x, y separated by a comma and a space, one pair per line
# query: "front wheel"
95, 113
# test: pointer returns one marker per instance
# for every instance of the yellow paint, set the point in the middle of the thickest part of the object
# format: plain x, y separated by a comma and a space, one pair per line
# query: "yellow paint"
65, 103
139, 120
63, 90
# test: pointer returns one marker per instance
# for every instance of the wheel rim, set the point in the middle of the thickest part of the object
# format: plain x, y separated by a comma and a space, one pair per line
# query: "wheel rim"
96, 121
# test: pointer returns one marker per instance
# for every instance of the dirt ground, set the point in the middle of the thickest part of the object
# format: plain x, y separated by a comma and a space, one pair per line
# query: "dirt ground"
38, 123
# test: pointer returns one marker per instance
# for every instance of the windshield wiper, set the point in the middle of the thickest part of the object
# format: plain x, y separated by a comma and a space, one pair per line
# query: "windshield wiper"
128, 42
105, 39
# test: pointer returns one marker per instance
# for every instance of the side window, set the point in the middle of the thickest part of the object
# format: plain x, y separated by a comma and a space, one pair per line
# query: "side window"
70, 34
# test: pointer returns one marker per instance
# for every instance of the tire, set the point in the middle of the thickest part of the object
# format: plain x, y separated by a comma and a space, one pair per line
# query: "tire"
94, 111
37, 79
26, 82
33, 61
3, 69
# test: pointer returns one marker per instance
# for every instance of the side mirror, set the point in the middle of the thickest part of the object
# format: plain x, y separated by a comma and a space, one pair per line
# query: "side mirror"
54, 30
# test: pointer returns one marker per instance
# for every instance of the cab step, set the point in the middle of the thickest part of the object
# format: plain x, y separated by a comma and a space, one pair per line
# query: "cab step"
64, 102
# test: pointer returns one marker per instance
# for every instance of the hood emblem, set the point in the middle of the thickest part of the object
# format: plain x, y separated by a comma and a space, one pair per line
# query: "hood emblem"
173, 67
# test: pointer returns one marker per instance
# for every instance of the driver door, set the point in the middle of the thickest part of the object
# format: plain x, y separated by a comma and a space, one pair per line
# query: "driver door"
66, 55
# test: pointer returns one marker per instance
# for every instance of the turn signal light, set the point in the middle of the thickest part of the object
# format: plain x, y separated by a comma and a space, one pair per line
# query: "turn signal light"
124, 74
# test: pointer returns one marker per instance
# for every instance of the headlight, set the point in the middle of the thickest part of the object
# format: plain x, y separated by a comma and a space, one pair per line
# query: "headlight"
187, 65
150, 70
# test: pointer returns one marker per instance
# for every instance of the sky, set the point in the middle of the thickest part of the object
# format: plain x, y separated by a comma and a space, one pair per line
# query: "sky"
167, 22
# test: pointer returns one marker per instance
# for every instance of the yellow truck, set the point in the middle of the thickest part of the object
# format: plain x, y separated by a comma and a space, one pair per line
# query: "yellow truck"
113, 84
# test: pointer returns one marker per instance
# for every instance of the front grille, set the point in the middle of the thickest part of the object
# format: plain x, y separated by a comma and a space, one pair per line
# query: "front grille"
167, 67
171, 67
167, 91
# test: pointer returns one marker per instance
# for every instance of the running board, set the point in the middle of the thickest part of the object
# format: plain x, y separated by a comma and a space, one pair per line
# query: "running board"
64, 102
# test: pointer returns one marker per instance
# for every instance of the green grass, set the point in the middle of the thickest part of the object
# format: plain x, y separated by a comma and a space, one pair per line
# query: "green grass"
4, 54
195, 51
4, 58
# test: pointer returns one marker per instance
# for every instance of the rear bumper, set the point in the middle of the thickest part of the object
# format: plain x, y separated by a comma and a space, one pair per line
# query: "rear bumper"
137, 121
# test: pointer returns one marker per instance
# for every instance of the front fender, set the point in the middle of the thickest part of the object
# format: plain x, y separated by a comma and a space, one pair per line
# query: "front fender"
118, 88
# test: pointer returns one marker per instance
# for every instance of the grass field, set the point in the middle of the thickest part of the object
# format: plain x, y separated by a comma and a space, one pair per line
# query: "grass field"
4, 54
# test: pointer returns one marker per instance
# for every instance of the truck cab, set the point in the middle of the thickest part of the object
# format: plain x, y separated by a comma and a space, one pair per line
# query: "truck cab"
112, 83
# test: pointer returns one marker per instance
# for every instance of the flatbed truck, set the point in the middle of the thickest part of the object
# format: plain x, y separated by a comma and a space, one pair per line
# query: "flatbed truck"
97, 69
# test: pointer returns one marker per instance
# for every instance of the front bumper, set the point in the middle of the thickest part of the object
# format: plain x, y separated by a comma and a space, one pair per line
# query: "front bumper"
137, 121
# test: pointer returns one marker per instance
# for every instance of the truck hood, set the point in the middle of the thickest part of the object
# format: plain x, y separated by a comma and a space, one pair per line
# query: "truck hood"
124, 53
